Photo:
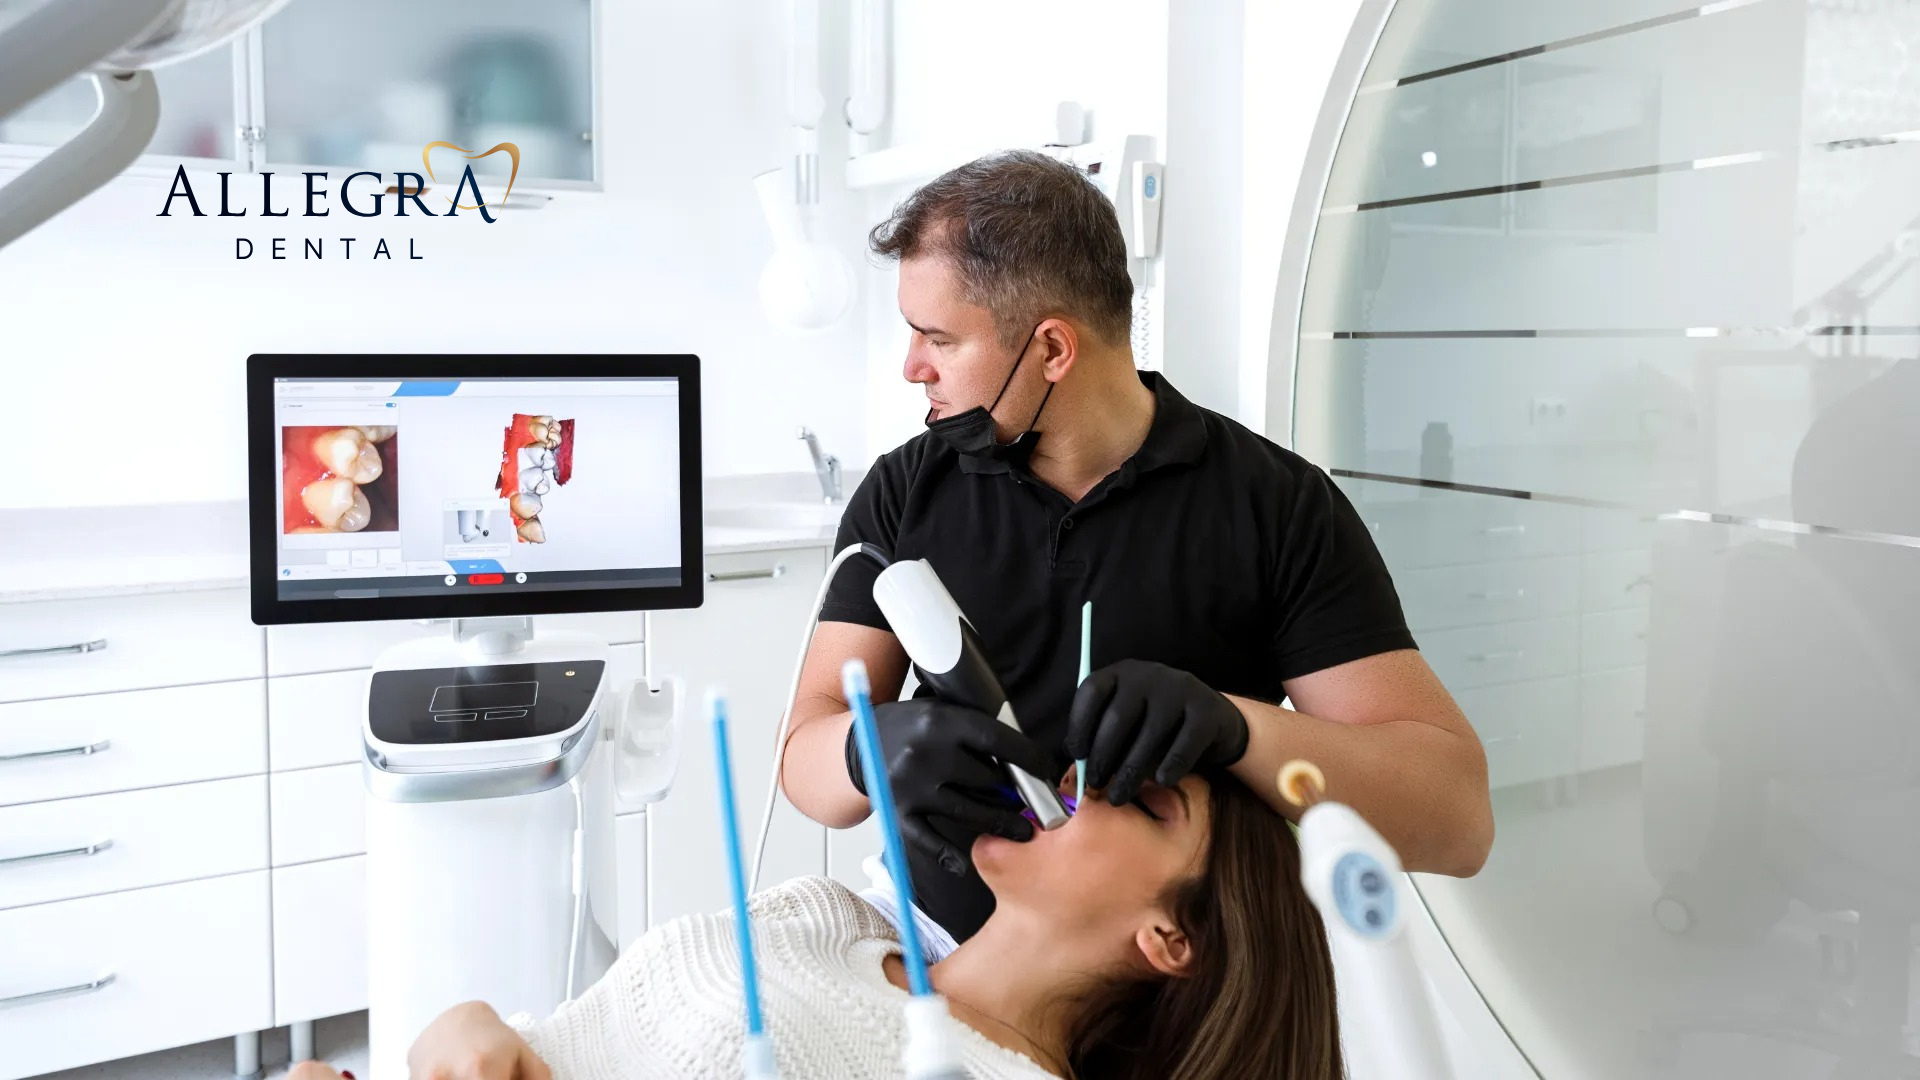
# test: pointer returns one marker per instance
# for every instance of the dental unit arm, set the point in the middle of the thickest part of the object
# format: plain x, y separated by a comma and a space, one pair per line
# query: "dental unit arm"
1354, 877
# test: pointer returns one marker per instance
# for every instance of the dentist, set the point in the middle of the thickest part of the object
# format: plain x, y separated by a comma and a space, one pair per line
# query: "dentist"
1226, 573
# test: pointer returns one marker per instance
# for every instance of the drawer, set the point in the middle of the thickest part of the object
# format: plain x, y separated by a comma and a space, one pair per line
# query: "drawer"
130, 840
318, 814
1530, 730
1616, 579
1613, 639
172, 639
1613, 530
315, 719
1613, 718
1504, 653
1452, 528
319, 939
1492, 592
310, 647
187, 963
137, 739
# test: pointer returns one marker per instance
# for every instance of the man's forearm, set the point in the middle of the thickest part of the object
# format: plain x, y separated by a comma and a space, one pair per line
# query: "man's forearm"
814, 772
1423, 787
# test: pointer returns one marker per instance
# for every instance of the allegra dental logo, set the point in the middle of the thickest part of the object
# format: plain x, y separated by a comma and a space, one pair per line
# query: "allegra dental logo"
352, 200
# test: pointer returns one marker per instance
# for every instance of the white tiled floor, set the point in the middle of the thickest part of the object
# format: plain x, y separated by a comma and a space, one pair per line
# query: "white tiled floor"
340, 1041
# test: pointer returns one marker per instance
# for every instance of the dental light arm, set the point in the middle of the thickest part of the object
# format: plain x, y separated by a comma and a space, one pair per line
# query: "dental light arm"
115, 41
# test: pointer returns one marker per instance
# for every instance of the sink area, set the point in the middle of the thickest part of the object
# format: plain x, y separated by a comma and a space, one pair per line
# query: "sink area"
775, 515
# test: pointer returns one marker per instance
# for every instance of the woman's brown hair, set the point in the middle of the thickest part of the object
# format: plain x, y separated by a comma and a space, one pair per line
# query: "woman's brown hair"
1258, 1001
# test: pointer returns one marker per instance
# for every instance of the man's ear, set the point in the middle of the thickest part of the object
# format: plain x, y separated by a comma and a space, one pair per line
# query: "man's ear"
1062, 343
1166, 948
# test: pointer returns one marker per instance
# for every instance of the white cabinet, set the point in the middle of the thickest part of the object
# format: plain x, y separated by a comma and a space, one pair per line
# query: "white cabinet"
141, 970
319, 939
630, 858
742, 640
57, 748
136, 642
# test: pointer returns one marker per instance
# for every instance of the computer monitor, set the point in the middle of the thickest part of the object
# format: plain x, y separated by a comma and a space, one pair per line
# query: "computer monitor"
416, 487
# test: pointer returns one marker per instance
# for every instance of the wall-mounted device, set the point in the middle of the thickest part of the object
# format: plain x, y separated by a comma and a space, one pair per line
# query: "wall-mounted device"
483, 491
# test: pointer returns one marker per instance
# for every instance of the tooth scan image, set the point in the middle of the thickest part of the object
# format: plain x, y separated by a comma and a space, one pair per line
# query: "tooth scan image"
537, 457
339, 479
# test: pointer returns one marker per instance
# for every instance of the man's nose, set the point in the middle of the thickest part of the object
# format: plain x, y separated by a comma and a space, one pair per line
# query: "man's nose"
917, 370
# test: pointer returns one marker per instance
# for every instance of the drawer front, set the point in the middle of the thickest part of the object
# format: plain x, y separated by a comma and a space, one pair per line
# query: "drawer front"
1613, 639
319, 939
1482, 593
172, 639
311, 647
319, 814
315, 719
1616, 579
1613, 718
130, 840
187, 962
1505, 653
1530, 730
1451, 529
59, 748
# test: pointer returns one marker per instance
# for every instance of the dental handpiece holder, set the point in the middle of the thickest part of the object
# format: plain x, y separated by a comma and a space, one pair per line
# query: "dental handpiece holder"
493, 759
946, 652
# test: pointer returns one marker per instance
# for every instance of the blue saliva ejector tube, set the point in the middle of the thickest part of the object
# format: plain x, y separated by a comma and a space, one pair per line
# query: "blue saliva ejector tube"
933, 1053
757, 1054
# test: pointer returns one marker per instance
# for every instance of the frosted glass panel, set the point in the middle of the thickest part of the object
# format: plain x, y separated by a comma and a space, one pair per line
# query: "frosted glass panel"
1612, 336
196, 110
369, 83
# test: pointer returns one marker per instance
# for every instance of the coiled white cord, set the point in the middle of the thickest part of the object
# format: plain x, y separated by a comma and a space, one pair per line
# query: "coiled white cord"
786, 714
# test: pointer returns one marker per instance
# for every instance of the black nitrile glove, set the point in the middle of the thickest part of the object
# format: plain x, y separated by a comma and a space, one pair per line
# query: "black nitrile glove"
1137, 720
949, 786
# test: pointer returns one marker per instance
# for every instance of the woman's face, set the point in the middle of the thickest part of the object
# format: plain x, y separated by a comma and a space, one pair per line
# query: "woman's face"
1108, 868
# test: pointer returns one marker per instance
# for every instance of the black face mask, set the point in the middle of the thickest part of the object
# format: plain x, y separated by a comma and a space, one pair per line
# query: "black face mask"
972, 432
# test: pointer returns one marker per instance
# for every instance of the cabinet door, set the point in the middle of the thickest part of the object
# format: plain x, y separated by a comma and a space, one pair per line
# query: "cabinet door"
743, 640
319, 939
475, 73
196, 110
630, 859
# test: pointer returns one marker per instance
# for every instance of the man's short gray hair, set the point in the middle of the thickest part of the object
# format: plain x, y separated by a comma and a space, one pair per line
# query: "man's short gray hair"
1029, 237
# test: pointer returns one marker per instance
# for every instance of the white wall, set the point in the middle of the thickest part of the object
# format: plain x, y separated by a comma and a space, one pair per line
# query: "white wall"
124, 336
995, 70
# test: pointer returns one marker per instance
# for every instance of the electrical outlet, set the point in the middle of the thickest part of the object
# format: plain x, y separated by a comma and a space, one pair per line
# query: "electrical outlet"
1548, 411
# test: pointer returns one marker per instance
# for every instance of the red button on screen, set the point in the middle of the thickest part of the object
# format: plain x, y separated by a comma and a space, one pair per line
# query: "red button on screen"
485, 579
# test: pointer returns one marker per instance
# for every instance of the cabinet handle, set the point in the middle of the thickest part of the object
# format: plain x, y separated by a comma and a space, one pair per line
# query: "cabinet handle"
1503, 530
1517, 594
100, 983
80, 647
65, 751
1510, 654
94, 848
773, 571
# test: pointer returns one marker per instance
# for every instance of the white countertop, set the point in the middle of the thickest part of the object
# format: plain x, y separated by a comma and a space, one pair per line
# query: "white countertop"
78, 553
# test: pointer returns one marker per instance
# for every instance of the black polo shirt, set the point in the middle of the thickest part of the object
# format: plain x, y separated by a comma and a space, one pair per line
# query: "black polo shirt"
1211, 550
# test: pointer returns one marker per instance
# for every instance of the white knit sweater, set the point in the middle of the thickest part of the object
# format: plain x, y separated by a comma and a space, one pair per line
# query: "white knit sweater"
672, 1009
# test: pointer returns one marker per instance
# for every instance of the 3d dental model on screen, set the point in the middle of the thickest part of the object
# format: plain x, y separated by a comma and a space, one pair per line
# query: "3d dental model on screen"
538, 456
339, 479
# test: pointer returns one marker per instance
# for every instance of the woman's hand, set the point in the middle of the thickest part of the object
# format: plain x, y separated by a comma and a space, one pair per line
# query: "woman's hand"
470, 1042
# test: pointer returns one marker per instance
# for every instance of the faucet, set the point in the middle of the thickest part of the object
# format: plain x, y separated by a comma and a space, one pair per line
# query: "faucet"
825, 466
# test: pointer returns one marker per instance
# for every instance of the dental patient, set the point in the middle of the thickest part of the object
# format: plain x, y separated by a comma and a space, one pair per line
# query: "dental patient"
1165, 940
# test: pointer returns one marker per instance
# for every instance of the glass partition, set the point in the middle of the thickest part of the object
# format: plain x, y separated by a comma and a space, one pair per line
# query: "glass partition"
197, 117
1611, 331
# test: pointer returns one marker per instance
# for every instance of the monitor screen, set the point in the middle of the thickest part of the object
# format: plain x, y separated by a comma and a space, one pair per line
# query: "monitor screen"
428, 487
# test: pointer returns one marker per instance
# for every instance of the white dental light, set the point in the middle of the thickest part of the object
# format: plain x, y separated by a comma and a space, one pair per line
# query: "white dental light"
45, 42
